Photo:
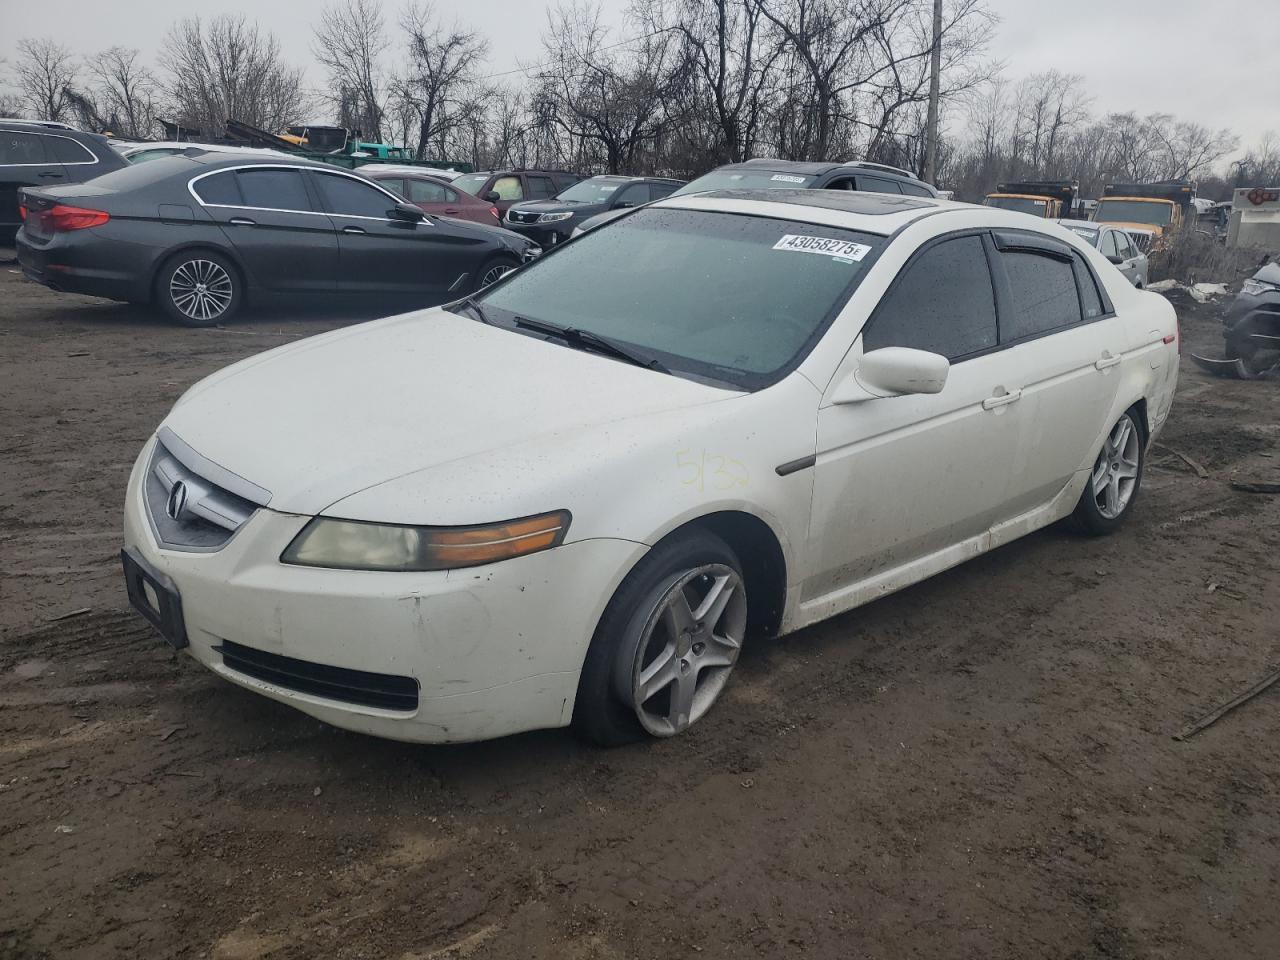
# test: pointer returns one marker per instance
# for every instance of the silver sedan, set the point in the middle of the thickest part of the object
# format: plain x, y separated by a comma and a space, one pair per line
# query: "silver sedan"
1116, 245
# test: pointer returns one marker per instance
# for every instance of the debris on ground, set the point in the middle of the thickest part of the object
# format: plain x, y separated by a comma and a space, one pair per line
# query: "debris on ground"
1191, 729
1249, 487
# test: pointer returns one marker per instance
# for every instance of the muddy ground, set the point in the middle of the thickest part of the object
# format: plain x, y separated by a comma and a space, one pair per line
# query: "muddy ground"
979, 767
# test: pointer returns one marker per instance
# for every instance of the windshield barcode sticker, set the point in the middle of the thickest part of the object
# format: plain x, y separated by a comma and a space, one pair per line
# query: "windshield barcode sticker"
786, 178
825, 246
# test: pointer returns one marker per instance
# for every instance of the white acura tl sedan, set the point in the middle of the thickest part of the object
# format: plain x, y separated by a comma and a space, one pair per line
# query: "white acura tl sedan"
572, 498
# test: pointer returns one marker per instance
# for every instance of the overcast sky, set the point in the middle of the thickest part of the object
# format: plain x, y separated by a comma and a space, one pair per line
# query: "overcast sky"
1212, 62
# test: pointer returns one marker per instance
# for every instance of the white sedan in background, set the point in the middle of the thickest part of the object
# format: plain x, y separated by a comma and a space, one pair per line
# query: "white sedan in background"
573, 498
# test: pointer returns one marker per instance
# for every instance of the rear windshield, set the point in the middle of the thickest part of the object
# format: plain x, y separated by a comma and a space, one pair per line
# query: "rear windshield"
746, 180
1157, 213
727, 298
1021, 204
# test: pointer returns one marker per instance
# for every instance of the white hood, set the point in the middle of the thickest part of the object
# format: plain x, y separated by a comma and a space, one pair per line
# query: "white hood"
317, 421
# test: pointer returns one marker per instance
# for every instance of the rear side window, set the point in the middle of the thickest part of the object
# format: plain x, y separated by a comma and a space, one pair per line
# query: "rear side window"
25, 148
541, 188
350, 197
274, 189
915, 190
1042, 293
942, 302
66, 150
660, 190
877, 185
428, 191
1090, 299
220, 189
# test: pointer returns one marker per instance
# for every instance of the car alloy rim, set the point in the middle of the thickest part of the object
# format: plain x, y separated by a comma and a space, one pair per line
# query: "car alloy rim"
495, 274
1115, 474
687, 649
201, 289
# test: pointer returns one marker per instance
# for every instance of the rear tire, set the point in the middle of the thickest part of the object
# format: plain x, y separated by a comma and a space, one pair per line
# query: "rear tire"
654, 667
494, 270
199, 288
1115, 479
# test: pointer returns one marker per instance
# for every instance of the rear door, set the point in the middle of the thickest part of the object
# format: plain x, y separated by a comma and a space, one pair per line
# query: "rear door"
24, 162
1059, 327
267, 214
380, 254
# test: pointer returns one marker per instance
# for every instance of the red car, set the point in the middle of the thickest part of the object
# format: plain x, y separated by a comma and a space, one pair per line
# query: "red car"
434, 196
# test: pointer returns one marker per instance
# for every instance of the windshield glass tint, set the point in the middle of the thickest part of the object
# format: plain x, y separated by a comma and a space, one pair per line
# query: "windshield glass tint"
730, 298
1021, 204
745, 180
472, 182
595, 190
1134, 211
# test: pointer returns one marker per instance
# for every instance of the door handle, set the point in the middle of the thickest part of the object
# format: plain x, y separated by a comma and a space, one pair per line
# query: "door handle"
1106, 360
1001, 399
52, 176
451, 210
354, 230
242, 222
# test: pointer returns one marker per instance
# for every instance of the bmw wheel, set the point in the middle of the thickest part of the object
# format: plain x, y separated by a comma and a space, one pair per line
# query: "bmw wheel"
494, 270
199, 288
1114, 480
667, 643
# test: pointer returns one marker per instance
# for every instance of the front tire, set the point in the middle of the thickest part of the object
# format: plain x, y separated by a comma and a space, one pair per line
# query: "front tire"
667, 642
494, 270
199, 288
1113, 484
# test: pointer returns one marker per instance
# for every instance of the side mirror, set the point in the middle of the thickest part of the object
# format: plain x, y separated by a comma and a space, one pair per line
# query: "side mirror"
408, 211
894, 372
1113, 258
493, 196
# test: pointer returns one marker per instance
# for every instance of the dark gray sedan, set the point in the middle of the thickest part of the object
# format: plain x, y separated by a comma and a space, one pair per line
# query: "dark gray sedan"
1116, 245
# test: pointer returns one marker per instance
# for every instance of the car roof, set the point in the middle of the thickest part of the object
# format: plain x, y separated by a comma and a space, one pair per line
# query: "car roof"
46, 124
880, 213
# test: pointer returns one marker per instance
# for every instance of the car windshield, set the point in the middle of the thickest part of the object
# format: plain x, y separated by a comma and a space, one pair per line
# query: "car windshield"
745, 180
1021, 204
1157, 213
725, 298
471, 182
595, 190
1089, 233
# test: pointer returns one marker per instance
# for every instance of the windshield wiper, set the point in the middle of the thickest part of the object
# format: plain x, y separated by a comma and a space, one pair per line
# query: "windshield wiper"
593, 342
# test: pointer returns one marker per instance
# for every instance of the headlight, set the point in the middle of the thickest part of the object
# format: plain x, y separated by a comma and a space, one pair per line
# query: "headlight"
1256, 288
358, 545
553, 217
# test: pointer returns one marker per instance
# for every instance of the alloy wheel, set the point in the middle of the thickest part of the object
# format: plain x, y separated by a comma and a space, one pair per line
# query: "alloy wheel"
687, 649
1115, 473
494, 274
201, 290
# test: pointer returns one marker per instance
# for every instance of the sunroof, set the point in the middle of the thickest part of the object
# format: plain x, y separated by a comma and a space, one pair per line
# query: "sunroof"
848, 201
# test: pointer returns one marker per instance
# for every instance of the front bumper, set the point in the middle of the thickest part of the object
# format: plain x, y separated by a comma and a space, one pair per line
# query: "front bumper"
545, 235
494, 650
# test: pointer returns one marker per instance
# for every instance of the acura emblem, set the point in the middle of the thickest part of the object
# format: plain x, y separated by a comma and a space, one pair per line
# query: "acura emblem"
177, 501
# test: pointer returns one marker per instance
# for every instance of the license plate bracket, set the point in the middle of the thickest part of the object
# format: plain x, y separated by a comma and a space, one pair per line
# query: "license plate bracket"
154, 596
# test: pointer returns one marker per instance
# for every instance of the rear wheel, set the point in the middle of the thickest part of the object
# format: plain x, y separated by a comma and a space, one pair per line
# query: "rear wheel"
494, 270
199, 288
666, 644
1114, 480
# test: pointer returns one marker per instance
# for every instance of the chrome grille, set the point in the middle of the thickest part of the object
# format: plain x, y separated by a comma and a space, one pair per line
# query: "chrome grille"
189, 511
516, 217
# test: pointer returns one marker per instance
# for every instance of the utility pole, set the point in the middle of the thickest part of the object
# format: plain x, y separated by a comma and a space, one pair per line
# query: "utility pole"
935, 68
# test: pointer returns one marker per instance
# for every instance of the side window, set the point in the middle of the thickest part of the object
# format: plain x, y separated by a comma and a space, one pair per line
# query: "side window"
428, 191
632, 196
1089, 297
25, 148
844, 183
274, 189
942, 302
394, 184
1109, 248
1126, 247
541, 188
220, 189
915, 190
877, 185
66, 150
565, 181
659, 190
349, 197
1043, 295
508, 188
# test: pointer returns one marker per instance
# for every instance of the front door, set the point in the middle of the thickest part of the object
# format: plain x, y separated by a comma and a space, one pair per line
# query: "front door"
902, 477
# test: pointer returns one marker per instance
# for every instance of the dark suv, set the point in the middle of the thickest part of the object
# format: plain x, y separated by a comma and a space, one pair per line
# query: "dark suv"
765, 174
502, 188
33, 154
547, 222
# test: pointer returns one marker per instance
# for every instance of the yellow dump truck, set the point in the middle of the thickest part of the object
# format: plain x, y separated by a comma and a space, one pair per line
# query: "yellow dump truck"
1150, 209
1048, 199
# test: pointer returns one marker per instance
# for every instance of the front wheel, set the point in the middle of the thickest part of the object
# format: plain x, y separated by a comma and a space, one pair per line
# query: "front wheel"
494, 270
666, 644
199, 288
1114, 480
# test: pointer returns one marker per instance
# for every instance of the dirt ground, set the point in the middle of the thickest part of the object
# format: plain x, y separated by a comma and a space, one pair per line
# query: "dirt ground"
979, 767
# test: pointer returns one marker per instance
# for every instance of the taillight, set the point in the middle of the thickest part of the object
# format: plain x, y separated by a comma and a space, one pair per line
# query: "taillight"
496, 214
22, 212
62, 217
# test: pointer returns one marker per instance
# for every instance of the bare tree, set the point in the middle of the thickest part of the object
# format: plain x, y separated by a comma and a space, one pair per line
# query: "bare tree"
349, 42
45, 70
224, 69
1053, 104
1190, 148
125, 92
440, 86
